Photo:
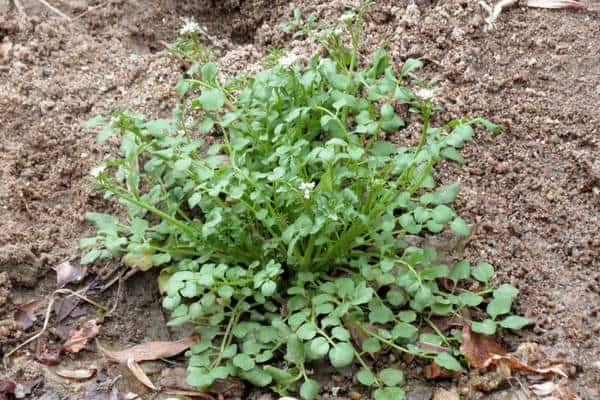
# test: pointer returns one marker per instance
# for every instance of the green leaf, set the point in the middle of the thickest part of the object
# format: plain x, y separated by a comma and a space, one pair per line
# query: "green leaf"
365, 377
280, 375
482, 272
407, 316
460, 227
295, 350
404, 330
341, 355
445, 360
487, 327
257, 377
306, 331
452, 154
309, 389
409, 66
391, 376
470, 299
499, 305
268, 288
340, 333
514, 322
98, 120
380, 314
461, 134
208, 71
389, 393
90, 257
442, 214
371, 345
211, 100
487, 124
319, 346
200, 378
461, 270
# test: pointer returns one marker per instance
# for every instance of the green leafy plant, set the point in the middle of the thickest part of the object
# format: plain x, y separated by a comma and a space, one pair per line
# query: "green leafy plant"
278, 215
300, 26
192, 43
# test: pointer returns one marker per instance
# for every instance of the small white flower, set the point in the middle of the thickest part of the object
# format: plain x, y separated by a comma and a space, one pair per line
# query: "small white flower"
307, 187
346, 17
97, 170
288, 60
425, 94
189, 26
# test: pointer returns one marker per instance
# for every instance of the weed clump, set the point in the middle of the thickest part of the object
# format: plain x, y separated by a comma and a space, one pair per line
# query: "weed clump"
284, 241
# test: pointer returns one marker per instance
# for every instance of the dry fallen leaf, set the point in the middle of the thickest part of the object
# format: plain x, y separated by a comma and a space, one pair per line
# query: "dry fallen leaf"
46, 354
556, 4
516, 364
78, 338
434, 371
25, 313
5, 48
551, 390
478, 348
139, 374
443, 394
77, 374
149, 351
67, 273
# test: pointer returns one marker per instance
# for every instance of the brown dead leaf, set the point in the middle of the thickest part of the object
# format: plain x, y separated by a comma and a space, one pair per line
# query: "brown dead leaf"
25, 314
478, 348
77, 339
7, 386
5, 48
551, 390
443, 394
67, 273
149, 351
46, 354
556, 4
139, 374
77, 374
516, 364
434, 371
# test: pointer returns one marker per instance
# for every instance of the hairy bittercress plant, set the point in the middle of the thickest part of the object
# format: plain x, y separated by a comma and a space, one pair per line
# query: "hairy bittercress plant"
283, 240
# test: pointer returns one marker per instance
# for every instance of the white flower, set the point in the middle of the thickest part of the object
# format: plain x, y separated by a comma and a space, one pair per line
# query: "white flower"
97, 170
189, 26
307, 187
425, 94
288, 60
346, 17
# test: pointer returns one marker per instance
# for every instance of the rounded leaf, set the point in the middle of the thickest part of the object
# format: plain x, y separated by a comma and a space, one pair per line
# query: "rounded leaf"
391, 376
341, 355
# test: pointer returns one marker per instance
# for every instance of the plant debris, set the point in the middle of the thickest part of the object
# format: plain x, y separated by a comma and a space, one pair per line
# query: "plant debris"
25, 313
77, 374
47, 354
149, 351
78, 338
67, 273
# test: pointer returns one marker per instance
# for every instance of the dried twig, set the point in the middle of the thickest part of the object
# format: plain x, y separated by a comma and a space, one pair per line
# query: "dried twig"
54, 9
19, 7
96, 7
47, 318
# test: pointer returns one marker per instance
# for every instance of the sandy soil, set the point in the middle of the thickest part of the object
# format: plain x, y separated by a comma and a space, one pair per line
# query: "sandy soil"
532, 192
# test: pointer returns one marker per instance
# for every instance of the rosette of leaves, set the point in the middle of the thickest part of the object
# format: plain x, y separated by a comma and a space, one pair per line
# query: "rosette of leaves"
283, 240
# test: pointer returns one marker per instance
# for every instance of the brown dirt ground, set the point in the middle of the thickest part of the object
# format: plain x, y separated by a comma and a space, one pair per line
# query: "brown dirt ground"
532, 192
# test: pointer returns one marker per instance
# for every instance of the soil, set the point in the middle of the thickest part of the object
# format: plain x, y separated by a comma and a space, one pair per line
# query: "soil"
532, 192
